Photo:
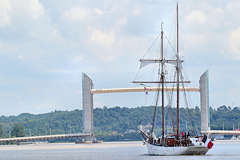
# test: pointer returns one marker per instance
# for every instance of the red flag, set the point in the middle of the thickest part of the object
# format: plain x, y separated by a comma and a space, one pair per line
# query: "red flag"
210, 144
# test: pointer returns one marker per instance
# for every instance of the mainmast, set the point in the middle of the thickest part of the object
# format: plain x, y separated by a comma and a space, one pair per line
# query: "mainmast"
177, 70
162, 80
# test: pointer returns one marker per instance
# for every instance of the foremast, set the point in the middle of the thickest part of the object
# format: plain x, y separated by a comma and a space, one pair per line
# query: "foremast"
161, 79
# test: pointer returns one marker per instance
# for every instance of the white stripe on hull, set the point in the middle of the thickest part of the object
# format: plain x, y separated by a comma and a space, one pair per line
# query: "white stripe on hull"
170, 151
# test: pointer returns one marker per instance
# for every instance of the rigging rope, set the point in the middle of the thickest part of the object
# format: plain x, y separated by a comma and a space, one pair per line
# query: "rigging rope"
170, 100
145, 53
157, 98
173, 48
186, 102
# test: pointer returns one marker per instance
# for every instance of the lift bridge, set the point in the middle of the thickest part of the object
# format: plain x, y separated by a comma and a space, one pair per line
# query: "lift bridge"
87, 102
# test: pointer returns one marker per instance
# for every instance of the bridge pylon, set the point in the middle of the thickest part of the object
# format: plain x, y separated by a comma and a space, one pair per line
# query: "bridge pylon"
87, 106
204, 102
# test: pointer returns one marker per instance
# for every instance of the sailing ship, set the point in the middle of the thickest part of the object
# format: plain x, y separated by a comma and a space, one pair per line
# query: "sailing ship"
171, 144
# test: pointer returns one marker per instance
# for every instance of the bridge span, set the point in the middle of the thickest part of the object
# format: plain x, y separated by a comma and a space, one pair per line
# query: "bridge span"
223, 132
143, 89
88, 92
45, 138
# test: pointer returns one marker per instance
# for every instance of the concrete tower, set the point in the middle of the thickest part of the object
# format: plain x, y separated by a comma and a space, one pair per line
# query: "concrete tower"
204, 101
87, 104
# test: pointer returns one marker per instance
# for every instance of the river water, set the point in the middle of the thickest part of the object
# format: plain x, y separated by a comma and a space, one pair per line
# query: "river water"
222, 150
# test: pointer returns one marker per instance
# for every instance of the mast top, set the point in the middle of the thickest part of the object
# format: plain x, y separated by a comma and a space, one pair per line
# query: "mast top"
177, 32
161, 54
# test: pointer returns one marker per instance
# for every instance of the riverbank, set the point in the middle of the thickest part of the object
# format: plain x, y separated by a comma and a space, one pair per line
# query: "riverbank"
51, 146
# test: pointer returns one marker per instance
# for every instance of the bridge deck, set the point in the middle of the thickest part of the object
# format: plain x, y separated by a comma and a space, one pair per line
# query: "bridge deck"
41, 138
224, 132
142, 89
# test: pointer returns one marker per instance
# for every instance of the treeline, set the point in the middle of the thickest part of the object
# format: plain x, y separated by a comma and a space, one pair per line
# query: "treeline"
118, 123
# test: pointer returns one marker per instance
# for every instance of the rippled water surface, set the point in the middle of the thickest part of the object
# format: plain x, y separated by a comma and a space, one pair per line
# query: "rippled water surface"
109, 151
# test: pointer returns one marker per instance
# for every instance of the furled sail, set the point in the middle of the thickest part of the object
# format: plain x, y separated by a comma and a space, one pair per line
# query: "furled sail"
145, 62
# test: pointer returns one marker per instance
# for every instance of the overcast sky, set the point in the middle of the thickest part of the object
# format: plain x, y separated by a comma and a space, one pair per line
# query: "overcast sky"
46, 45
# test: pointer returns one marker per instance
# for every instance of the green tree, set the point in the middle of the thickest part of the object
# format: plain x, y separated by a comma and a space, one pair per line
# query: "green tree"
1, 130
18, 130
